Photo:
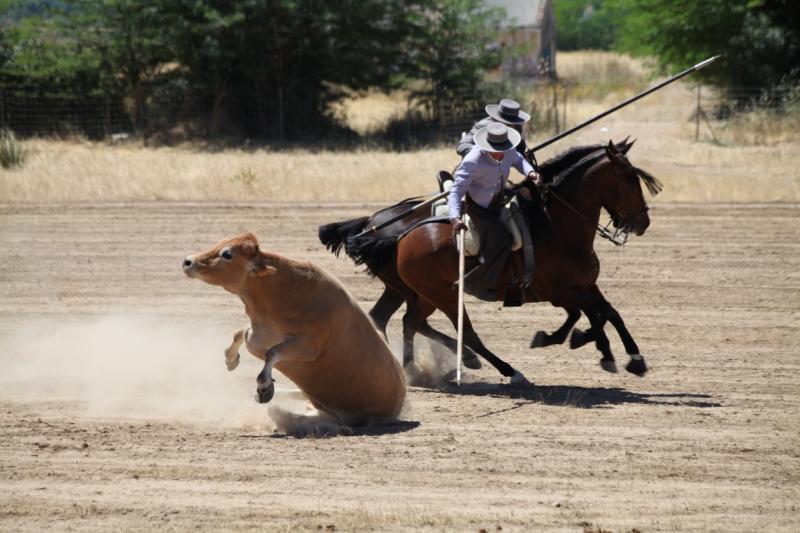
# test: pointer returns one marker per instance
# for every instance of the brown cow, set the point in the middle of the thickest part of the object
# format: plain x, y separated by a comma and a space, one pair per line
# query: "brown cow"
304, 323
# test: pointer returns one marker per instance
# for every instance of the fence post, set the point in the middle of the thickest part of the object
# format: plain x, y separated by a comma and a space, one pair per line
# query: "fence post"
697, 117
555, 108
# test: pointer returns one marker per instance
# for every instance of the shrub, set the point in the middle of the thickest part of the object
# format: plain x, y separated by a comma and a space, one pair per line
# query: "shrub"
12, 153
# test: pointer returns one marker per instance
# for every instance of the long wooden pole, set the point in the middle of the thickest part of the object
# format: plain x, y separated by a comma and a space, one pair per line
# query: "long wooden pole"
460, 340
630, 100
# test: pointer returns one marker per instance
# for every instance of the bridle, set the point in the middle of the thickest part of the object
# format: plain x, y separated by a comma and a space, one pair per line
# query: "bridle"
619, 234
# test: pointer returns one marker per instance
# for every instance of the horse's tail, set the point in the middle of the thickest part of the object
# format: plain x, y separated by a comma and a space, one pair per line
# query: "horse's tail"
334, 235
375, 252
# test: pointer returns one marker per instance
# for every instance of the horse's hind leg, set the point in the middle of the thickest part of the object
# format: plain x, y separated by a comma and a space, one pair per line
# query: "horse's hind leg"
410, 329
542, 339
470, 359
388, 303
474, 343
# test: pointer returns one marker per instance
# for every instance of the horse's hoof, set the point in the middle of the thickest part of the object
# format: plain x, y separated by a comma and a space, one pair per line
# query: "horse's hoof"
232, 364
264, 394
637, 366
609, 366
538, 340
519, 380
577, 339
471, 361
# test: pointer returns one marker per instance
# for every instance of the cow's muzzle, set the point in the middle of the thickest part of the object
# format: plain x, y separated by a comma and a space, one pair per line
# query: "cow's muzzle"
189, 265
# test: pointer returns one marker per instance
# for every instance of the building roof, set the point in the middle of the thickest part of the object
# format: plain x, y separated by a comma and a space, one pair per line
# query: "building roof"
521, 12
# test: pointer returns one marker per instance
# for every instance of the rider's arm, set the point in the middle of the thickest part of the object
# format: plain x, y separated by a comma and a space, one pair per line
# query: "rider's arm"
461, 180
525, 168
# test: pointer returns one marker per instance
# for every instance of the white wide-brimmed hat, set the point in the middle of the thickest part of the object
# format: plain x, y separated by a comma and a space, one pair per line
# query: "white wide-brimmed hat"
507, 111
497, 137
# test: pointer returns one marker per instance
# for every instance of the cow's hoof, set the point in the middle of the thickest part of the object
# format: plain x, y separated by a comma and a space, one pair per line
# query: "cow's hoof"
538, 339
637, 366
232, 364
471, 361
519, 380
264, 394
609, 365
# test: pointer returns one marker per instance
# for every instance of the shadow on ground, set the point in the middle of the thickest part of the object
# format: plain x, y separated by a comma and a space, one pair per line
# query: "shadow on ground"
571, 396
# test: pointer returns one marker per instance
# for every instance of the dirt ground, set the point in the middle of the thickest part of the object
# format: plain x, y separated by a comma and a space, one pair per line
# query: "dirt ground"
117, 412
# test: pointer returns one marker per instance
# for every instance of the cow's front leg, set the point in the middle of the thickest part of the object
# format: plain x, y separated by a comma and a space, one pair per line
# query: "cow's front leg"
232, 351
293, 348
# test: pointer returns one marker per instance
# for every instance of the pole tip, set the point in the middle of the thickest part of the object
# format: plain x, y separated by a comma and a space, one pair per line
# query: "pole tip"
707, 62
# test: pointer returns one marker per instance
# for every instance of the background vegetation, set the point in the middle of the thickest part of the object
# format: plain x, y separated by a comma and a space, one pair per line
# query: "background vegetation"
283, 70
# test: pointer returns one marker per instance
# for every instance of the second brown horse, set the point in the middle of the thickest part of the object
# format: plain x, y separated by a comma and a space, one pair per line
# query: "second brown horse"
421, 266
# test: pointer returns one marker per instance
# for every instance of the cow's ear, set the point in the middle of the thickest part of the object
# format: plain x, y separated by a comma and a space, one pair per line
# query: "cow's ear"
261, 268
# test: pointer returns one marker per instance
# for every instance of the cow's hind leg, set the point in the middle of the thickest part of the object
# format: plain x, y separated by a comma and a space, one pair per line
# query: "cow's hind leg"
543, 339
232, 351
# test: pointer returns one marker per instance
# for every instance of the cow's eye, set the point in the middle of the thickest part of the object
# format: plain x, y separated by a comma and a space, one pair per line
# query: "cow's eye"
226, 254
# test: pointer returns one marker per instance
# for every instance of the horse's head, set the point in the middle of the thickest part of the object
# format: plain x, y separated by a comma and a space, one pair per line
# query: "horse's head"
623, 197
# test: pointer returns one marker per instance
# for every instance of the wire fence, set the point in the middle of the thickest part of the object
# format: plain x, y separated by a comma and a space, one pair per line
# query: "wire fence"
27, 113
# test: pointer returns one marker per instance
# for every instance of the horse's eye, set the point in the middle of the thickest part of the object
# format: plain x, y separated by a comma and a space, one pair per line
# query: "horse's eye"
226, 254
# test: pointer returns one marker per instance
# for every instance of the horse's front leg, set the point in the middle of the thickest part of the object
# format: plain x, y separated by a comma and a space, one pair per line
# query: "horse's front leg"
636, 365
388, 303
232, 351
543, 339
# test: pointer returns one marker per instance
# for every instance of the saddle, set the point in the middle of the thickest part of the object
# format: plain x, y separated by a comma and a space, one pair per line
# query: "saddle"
512, 217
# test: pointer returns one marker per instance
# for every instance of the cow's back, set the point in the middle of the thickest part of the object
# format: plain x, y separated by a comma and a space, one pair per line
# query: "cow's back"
355, 374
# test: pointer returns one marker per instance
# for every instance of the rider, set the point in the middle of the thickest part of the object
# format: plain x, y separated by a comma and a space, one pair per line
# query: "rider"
506, 112
482, 177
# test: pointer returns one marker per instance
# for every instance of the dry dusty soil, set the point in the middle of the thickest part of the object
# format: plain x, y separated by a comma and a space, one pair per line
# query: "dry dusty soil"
117, 413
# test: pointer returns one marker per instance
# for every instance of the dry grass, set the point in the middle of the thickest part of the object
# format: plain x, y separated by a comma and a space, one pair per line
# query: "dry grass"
755, 160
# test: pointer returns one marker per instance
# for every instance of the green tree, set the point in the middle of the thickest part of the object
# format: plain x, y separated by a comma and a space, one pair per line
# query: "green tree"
585, 24
759, 39
451, 51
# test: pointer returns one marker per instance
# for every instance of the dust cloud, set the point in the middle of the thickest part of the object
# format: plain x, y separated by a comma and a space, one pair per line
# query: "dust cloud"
126, 366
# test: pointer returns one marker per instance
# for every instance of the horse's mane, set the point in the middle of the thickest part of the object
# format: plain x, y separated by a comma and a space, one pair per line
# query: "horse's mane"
574, 161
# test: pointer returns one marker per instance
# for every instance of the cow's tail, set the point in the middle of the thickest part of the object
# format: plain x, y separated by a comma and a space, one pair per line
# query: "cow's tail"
334, 235
310, 425
375, 252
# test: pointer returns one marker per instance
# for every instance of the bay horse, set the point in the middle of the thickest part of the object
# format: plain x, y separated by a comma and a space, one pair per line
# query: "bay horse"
421, 266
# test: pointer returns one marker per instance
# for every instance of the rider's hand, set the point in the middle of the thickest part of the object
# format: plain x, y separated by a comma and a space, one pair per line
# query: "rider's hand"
535, 178
458, 225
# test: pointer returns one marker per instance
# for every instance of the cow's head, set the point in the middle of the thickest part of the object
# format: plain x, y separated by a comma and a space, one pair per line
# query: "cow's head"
229, 263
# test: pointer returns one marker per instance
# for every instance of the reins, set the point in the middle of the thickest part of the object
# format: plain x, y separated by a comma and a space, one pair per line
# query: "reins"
619, 236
